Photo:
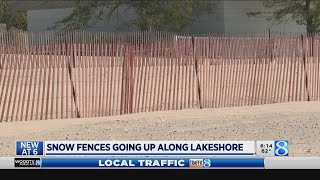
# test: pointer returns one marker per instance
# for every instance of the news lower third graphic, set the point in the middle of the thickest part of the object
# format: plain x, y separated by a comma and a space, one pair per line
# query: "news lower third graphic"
152, 163
29, 148
153, 148
272, 148
27, 162
146, 154
160, 163
135, 148
199, 163
281, 148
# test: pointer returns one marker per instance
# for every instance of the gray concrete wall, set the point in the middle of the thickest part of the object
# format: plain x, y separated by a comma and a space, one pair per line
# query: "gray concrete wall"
3, 27
236, 20
209, 22
230, 16
40, 20
24, 5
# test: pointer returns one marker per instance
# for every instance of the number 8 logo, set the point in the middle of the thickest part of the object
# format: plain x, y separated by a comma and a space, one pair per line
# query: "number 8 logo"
281, 148
206, 163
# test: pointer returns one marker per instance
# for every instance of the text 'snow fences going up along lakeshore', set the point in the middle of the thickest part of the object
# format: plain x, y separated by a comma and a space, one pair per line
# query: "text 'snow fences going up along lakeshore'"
55, 75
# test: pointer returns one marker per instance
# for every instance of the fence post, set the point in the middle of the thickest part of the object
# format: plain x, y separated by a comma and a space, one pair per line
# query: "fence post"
304, 67
124, 89
131, 61
0, 57
196, 66
70, 76
270, 45
2, 53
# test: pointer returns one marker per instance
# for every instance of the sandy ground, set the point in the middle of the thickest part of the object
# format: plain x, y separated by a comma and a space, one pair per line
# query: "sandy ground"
298, 122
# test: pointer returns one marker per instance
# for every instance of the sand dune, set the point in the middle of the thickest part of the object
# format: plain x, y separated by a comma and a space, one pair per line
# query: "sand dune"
298, 122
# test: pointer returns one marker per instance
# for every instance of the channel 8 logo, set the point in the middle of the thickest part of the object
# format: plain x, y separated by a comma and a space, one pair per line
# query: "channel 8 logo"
199, 163
206, 163
37, 163
281, 148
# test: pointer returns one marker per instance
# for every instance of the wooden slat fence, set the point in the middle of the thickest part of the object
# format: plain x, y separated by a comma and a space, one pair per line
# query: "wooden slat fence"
57, 75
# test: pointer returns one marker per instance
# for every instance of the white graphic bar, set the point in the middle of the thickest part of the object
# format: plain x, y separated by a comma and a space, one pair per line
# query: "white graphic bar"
292, 162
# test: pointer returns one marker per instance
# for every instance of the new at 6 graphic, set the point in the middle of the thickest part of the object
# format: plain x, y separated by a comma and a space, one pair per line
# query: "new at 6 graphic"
281, 148
29, 148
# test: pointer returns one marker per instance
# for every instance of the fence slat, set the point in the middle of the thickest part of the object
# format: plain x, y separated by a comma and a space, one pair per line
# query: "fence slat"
18, 86
26, 70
